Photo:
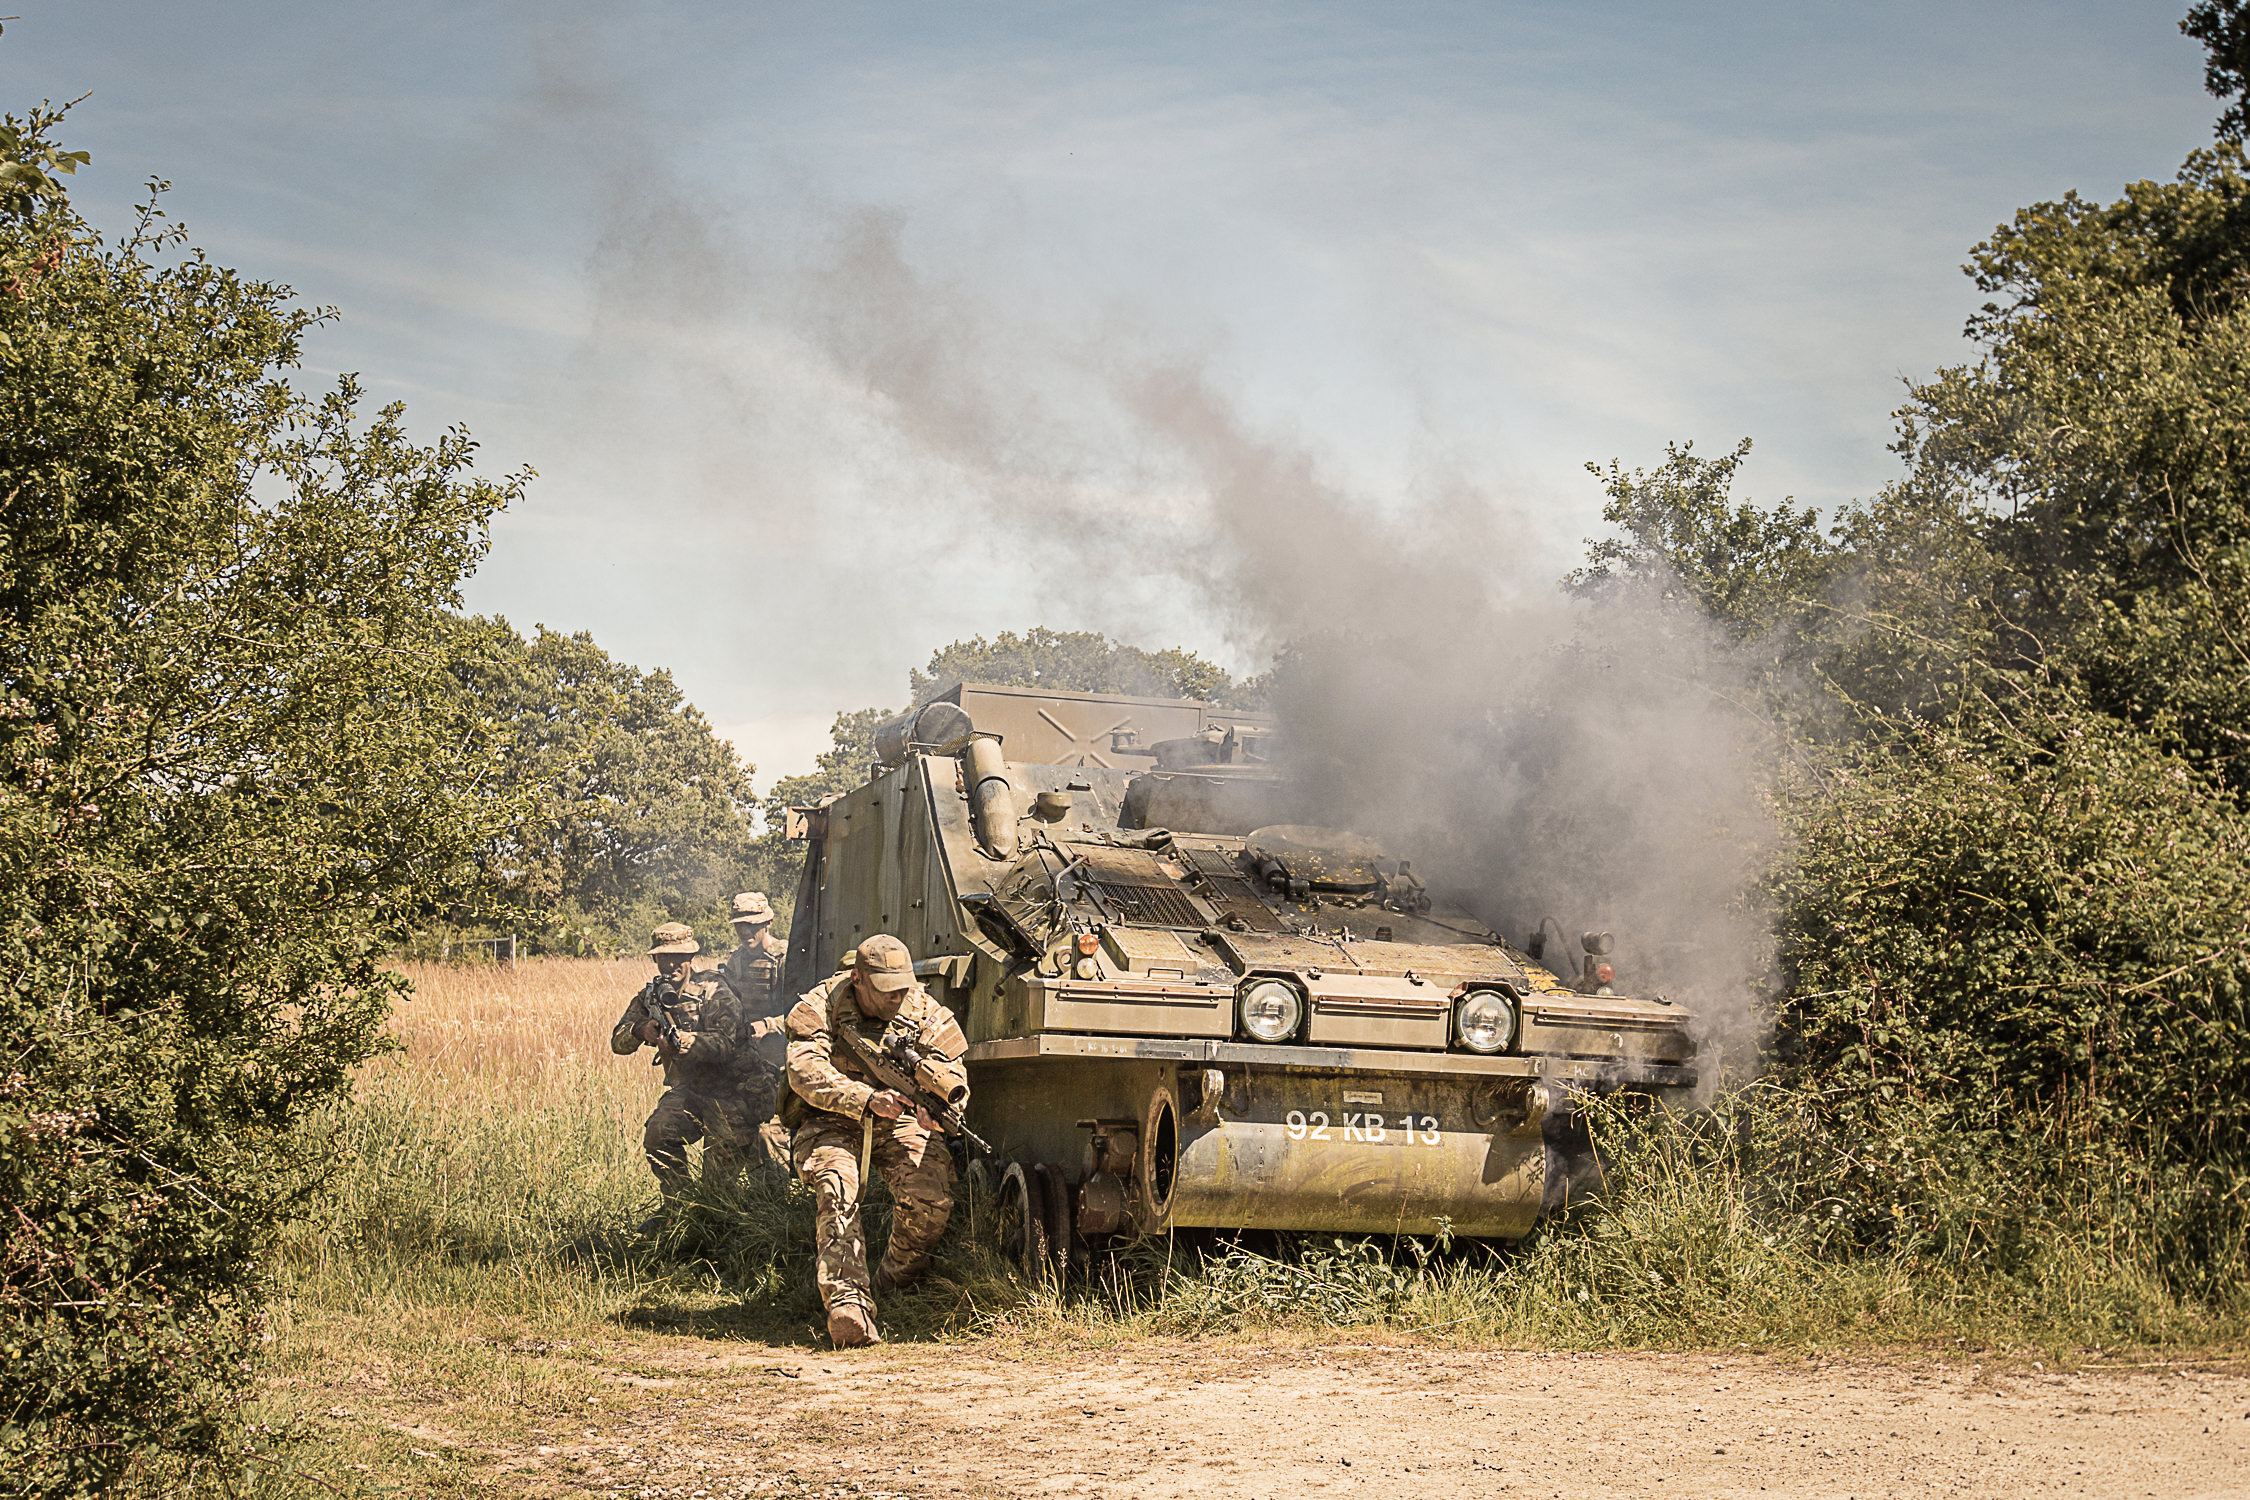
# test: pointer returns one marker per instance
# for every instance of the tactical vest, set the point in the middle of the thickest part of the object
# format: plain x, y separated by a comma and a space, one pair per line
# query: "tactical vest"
754, 974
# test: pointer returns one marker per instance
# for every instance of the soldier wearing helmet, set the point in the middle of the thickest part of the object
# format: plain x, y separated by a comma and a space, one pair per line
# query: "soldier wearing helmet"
844, 1121
690, 1017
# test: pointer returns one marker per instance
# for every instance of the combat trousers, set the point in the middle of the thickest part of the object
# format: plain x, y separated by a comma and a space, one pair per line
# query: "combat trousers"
916, 1167
760, 1094
726, 1124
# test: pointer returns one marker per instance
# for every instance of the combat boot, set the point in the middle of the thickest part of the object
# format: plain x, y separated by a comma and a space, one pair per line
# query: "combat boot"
888, 1279
852, 1327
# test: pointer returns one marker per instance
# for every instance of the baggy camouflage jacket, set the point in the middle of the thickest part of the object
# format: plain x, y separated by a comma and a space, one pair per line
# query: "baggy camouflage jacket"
828, 1076
710, 1023
753, 972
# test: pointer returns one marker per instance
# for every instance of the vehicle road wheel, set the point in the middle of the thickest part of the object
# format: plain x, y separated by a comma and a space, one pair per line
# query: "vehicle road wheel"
1022, 1223
1056, 1192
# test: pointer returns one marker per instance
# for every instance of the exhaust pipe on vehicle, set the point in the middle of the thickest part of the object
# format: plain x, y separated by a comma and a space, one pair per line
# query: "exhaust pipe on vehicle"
992, 802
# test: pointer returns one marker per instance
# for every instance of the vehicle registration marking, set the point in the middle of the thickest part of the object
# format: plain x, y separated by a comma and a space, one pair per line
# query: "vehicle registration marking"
1356, 1125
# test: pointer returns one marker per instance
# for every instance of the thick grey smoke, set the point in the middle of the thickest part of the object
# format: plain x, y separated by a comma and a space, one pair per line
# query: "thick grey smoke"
1568, 767
1566, 764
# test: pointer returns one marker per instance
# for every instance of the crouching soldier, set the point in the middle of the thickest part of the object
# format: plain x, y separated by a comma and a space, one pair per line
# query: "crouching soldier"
844, 1119
690, 1017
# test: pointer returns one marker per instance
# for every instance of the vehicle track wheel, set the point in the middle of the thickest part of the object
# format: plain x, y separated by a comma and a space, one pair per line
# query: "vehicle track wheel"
1021, 1222
1056, 1193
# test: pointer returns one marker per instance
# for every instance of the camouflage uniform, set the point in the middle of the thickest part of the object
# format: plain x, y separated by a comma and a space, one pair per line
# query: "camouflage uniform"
831, 1090
753, 972
702, 1099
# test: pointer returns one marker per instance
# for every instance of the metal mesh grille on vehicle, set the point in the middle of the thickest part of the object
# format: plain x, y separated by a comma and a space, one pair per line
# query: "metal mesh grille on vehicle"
1235, 895
1152, 905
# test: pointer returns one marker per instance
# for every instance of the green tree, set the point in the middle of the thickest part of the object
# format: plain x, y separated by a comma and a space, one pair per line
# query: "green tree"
1684, 531
633, 811
2021, 961
1071, 661
2012, 919
232, 769
2223, 27
2103, 440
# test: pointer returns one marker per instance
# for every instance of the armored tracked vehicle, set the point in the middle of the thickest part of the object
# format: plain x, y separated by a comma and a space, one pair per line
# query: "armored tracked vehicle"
1191, 1003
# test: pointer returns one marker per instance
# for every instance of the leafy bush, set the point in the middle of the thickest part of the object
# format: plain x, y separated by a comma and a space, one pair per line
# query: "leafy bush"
2022, 940
228, 769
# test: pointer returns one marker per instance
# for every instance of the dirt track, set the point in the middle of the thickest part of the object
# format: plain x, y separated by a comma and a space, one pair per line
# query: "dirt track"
1207, 1420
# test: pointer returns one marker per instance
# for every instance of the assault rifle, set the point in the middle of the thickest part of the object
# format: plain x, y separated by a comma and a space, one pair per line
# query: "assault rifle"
666, 1031
898, 1064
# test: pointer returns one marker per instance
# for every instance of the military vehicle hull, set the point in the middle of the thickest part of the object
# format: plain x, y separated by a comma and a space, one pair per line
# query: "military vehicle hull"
1102, 965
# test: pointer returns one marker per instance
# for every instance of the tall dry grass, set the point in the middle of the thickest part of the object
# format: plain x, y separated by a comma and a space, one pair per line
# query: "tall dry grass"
539, 1025
494, 1158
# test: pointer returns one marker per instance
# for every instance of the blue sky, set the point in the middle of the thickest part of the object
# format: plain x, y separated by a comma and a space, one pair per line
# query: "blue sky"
838, 332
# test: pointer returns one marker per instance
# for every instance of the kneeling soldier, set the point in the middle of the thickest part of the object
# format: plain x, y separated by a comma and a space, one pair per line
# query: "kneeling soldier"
844, 1119
702, 1092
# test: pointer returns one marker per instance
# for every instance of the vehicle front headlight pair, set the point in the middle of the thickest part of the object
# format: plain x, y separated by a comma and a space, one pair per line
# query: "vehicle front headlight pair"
1272, 1009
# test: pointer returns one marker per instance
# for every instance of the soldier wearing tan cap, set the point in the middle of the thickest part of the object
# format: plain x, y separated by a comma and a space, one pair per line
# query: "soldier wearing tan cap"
838, 1113
753, 969
699, 1053
753, 972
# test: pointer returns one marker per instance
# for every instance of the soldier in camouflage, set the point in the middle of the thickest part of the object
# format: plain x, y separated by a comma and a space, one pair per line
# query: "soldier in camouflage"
702, 1098
753, 972
842, 1118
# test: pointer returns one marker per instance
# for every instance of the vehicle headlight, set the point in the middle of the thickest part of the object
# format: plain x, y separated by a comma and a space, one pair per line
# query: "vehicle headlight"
1485, 1021
1270, 1010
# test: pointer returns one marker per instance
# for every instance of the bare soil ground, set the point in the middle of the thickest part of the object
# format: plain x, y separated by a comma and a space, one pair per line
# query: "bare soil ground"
667, 1416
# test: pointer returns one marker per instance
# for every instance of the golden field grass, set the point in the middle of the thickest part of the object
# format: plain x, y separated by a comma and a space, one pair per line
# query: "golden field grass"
501, 1133
529, 1024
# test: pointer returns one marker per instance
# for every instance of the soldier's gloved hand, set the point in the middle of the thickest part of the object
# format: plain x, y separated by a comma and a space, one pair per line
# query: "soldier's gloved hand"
647, 1032
922, 1118
889, 1103
765, 1026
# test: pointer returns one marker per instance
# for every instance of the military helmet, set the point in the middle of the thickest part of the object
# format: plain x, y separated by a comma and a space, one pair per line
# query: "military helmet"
751, 906
674, 937
886, 962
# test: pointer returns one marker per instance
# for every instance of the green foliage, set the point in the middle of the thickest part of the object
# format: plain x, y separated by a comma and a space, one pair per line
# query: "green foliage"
1683, 531
630, 810
230, 768
2223, 27
2015, 927
29, 164
2104, 436
2027, 919
2013, 1037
